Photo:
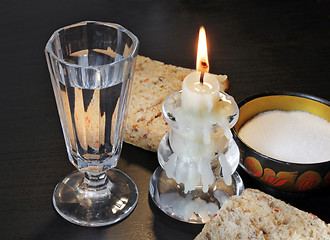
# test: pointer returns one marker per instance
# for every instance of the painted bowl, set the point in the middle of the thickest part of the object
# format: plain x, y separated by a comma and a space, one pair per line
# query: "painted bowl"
276, 173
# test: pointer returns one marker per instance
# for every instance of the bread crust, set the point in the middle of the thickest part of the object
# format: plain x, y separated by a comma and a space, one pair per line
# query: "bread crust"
257, 215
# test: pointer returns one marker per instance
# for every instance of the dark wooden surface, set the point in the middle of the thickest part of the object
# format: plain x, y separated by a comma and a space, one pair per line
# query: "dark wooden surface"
261, 45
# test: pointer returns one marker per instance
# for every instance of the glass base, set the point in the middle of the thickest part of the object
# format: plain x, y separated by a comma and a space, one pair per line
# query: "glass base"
94, 208
196, 206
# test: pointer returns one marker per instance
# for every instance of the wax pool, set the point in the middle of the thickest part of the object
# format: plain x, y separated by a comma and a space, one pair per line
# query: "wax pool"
295, 136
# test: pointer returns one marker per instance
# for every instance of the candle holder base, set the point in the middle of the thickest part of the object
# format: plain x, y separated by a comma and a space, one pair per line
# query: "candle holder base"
196, 206
191, 155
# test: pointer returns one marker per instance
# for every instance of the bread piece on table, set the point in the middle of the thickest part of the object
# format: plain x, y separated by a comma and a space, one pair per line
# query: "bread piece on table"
256, 215
153, 81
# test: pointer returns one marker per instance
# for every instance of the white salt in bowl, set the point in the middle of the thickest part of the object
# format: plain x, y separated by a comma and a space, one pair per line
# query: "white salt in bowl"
283, 174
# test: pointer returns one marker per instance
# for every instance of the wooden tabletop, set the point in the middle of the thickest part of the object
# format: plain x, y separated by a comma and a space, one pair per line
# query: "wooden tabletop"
275, 45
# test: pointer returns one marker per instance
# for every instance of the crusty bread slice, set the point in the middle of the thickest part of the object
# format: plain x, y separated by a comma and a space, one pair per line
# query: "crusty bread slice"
153, 81
256, 215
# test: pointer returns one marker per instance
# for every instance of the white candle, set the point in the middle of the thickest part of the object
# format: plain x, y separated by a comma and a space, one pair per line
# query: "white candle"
194, 142
199, 97
197, 138
202, 128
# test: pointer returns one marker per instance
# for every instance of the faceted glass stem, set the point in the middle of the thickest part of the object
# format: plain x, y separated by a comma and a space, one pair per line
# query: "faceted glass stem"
96, 182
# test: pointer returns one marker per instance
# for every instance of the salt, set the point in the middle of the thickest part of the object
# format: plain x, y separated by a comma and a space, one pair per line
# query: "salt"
295, 136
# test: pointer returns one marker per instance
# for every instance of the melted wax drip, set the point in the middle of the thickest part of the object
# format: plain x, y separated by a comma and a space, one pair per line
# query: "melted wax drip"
194, 147
187, 207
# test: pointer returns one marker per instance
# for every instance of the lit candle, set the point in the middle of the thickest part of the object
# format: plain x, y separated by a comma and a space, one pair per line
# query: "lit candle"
200, 91
194, 143
202, 128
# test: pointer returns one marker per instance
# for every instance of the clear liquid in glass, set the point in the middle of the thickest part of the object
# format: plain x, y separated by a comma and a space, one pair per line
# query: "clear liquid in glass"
89, 111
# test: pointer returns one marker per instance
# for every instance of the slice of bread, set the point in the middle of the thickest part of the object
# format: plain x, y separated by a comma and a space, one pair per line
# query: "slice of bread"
153, 81
256, 215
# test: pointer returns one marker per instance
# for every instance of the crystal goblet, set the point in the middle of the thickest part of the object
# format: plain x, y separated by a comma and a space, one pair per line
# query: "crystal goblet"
91, 66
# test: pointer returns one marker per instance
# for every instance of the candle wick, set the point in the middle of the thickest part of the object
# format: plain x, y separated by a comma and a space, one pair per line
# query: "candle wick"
203, 67
201, 79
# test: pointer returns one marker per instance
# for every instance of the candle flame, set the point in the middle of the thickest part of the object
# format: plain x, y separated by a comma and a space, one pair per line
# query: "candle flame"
202, 62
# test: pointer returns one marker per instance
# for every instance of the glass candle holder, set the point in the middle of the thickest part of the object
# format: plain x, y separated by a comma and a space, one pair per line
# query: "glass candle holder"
191, 185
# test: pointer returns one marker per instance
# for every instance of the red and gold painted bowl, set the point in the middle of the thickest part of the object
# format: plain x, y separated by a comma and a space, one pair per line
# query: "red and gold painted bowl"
276, 173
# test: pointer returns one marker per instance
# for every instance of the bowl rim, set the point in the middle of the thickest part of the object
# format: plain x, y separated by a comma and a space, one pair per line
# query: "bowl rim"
285, 93
276, 93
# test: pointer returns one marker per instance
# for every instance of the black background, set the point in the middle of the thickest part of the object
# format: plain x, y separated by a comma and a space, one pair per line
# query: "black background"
273, 45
